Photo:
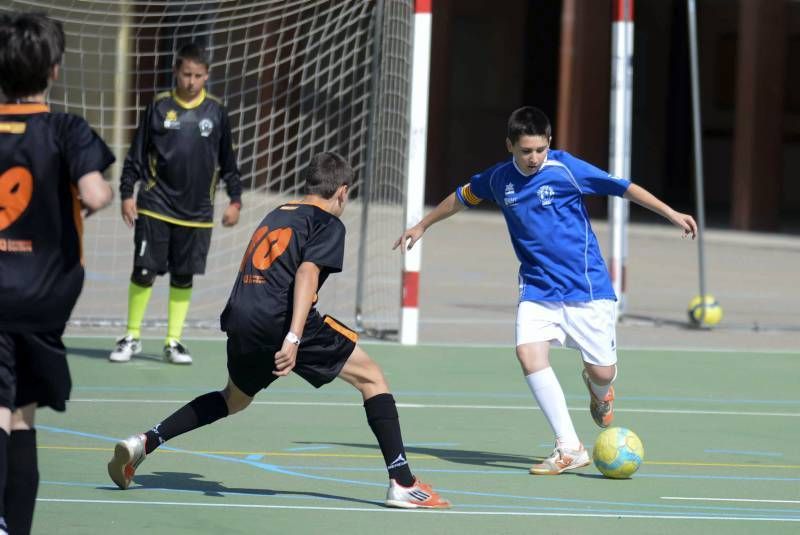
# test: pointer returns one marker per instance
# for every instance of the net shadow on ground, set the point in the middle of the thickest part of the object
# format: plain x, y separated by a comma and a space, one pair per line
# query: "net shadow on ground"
188, 482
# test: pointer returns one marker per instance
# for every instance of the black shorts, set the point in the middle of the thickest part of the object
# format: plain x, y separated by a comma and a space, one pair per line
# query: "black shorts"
33, 369
323, 351
165, 247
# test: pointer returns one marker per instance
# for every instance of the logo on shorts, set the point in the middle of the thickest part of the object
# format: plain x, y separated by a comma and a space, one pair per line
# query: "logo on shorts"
510, 195
206, 126
171, 121
546, 195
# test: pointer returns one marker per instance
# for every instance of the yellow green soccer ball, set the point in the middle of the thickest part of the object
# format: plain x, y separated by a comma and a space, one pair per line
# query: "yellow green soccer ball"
618, 453
713, 313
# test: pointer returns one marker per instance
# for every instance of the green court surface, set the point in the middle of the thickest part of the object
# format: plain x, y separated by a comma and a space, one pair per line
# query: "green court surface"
720, 429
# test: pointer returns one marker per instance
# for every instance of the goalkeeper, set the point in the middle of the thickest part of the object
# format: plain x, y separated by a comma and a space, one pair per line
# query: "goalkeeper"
182, 145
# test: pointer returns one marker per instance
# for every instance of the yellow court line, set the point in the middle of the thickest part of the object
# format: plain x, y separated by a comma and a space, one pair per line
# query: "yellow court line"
420, 456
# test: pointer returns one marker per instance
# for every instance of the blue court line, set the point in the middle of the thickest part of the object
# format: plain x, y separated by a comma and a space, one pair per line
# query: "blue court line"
254, 457
735, 511
740, 452
309, 448
474, 395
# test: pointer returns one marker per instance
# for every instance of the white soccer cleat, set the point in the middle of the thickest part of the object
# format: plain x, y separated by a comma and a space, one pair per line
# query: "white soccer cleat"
176, 353
128, 454
560, 460
127, 346
417, 496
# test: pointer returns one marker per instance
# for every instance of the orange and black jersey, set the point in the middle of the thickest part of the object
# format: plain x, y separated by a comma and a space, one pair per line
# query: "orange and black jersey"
259, 309
42, 157
179, 151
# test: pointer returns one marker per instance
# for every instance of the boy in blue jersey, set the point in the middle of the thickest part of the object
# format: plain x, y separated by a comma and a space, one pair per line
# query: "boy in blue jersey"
566, 296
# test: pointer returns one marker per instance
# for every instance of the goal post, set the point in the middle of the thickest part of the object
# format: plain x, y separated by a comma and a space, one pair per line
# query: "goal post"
298, 77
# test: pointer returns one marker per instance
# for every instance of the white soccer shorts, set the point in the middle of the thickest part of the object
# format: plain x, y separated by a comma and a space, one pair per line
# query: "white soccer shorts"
588, 327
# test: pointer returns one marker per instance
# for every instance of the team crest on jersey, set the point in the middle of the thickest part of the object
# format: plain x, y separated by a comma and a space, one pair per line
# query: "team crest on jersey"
510, 195
546, 195
206, 126
171, 120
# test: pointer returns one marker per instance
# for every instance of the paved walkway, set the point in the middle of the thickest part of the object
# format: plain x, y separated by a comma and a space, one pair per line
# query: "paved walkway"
469, 286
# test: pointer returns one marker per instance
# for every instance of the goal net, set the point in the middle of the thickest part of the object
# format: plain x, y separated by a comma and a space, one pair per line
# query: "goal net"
298, 77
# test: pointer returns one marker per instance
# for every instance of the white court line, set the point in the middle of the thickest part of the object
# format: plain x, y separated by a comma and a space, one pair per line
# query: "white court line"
464, 407
509, 346
378, 509
748, 500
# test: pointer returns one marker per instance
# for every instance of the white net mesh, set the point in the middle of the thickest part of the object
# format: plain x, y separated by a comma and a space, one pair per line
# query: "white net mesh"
298, 77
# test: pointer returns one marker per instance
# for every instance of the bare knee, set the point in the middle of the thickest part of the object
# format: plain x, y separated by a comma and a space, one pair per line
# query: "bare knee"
235, 399
364, 374
533, 357
22, 418
601, 375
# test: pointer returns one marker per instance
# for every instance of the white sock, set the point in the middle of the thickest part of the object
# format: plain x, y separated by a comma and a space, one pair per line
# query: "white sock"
547, 390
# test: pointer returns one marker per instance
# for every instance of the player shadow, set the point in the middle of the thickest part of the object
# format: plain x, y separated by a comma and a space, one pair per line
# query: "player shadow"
476, 458
184, 481
94, 353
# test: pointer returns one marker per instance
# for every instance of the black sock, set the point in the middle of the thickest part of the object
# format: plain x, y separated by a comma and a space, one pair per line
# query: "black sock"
201, 411
22, 482
3, 466
384, 422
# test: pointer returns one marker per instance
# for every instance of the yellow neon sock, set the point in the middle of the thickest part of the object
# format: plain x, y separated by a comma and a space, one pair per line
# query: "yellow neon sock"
179, 299
138, 297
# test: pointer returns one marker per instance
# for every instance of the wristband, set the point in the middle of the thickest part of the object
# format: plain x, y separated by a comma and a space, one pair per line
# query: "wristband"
292, 338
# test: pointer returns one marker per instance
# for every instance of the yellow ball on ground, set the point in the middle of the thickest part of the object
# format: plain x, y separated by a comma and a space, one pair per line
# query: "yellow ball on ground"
618, 453
713, 311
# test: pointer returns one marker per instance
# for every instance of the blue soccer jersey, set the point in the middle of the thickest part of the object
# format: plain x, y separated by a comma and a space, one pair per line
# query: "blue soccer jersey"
560, 259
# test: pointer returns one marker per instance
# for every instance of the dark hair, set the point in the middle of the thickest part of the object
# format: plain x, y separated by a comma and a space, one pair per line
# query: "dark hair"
326, 173
191, 52
528, 121
30, 45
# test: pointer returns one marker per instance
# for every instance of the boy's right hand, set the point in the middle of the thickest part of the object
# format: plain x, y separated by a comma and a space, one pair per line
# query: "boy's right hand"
409, 238
129, 213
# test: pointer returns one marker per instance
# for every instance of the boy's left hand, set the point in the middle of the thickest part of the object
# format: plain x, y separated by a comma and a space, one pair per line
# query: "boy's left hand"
231, 215
285, 359
684, 221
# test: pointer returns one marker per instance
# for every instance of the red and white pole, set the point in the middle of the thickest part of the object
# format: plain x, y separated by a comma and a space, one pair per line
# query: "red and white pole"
415, 180
620, 146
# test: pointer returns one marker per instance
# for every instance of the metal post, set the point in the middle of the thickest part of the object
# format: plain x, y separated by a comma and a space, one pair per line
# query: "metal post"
121, 88
415, 180
698, 151
620, 150
370, 166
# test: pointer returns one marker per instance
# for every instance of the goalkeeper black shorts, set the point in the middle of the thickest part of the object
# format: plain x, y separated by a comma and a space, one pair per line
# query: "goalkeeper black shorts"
169, 248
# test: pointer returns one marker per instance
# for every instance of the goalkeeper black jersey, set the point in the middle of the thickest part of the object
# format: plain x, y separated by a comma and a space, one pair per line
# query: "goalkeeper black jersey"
179, 151
42, 157
259, 309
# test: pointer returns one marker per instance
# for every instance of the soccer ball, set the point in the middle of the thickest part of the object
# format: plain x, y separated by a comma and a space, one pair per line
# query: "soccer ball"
618, 453
713, 313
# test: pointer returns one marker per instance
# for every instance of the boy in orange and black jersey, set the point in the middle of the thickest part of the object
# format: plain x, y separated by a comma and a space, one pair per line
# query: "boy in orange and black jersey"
274, 328
50, 167
182, 145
